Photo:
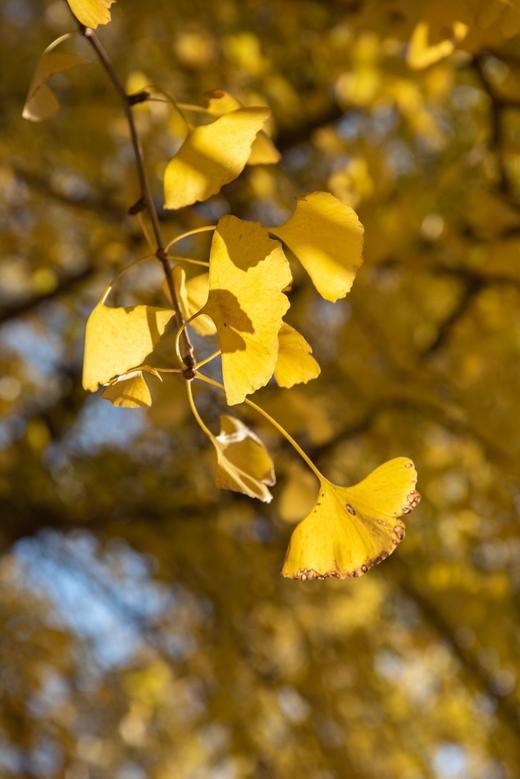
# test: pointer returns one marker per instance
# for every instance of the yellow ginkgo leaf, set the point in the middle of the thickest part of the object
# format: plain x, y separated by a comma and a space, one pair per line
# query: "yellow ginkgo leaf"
295, 364
119, 339
129, 391
263, 150
327, 238
248, 271
242, 461
422, 53
212, 155
193, 296
91, 12
41, 102
350, 529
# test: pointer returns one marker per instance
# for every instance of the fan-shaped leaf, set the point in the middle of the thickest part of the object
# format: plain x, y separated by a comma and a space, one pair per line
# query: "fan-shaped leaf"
350, 529
248, 271
327, 237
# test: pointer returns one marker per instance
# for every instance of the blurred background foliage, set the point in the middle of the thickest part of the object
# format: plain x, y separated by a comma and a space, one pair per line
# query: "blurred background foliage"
146, 632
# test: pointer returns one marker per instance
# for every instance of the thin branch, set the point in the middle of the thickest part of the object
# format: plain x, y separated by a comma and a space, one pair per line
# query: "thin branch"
146, 193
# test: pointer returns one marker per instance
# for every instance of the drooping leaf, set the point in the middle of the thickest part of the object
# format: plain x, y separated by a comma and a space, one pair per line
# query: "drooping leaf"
129, 391
327, 238
263, 150
91, 13
119, 339
248, 271
193, 296
242, 461
295, 364
212, 155
350, 529
41, 102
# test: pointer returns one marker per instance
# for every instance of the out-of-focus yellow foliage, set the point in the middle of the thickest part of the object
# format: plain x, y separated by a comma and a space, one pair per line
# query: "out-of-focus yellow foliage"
146, 631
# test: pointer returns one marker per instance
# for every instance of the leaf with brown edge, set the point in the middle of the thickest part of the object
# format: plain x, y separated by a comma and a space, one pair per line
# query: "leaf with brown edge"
91, 13
350, 529
295, 364
242, 461
248, 271
212, 155
119, 339
41, 102
327, 238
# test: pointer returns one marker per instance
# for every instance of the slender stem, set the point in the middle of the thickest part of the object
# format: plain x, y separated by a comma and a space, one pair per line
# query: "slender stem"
296, 446
190, 260
208, 359
105, 61
205, 429
196, 231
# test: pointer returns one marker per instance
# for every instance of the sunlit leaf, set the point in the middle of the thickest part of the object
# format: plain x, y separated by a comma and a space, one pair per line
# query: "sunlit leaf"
295, 364
327, 238
119, 339
350, 529
248, 271
212, 155
243, 463
263, 150
41, 102
129, 391
91, 13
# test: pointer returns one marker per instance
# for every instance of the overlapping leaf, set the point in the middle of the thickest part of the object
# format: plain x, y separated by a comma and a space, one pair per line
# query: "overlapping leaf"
91, 13
263, 150
212, 155
248, 271
295, 363
129, 391
41, 102
350, 529
242, 461
327, 238
118, 339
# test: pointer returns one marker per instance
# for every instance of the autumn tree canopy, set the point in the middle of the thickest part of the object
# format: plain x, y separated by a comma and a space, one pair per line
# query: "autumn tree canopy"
259, 270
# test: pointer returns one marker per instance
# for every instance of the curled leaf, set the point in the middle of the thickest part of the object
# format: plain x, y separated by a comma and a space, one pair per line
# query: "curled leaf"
248, 271
242, 461
212, 155
91, 13
118, 339
263, 150
295, 363
350, 529
327, 238
129, 391
41, 102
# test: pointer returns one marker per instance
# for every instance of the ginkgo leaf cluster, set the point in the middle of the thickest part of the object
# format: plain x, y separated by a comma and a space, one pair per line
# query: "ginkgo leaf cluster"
243, 303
